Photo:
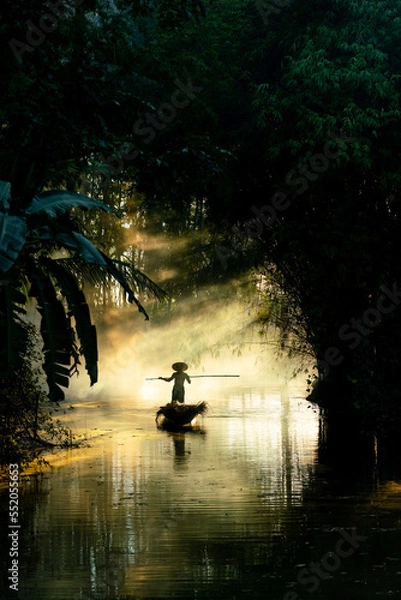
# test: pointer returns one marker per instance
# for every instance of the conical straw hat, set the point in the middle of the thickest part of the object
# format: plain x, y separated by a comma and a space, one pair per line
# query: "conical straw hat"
179, 366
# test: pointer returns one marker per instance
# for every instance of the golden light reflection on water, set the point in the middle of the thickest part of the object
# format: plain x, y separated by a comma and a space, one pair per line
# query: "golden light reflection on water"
216, 512
141, 511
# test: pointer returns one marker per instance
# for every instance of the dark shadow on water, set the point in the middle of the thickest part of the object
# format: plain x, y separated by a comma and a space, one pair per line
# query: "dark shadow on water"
179, 437
344, 447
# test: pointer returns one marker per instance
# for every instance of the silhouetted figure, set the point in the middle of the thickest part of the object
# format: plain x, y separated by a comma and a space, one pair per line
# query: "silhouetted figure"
179, 377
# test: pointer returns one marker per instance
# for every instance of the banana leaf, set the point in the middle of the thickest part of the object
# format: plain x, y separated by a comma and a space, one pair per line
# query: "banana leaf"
79, 310
12, 240
73, 241
13, 334
56, 203
5, 195
59, 348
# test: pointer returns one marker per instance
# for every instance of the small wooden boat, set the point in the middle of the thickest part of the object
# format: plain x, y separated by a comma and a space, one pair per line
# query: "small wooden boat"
175, 415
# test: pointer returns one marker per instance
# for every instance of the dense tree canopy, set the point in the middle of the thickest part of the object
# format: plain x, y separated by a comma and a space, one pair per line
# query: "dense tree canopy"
268, 132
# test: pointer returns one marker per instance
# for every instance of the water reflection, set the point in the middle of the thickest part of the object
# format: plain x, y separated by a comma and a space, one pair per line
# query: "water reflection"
232, 509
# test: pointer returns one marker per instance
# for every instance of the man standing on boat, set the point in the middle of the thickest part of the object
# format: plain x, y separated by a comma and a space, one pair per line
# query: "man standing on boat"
180, 377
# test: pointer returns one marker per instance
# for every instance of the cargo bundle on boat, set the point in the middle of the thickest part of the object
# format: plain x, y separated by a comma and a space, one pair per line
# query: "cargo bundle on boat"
175, 415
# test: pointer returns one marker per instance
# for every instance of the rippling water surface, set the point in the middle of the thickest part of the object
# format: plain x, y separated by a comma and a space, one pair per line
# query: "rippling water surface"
239, 507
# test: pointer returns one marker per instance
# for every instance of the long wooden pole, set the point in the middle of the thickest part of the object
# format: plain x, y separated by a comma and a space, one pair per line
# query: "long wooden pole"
213, 376
192, 376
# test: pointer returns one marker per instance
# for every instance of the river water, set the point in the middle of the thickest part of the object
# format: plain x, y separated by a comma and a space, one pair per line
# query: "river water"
245, 505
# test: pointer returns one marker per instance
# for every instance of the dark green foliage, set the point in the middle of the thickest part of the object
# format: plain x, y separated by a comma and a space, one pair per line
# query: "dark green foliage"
66, 327
26, 422
12, 332
302, 125
296, 117
57, 334
335, 244
78, 310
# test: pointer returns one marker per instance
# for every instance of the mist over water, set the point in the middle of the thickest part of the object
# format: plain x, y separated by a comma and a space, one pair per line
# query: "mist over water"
236, 508
239, 507
212, 332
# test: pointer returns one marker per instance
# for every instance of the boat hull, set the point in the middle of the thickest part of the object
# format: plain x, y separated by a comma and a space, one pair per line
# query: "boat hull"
175, 415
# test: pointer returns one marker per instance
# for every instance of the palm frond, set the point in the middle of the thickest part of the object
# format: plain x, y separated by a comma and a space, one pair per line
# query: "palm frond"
97, 275
120, 278
83, 271
138, 280
80, 245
